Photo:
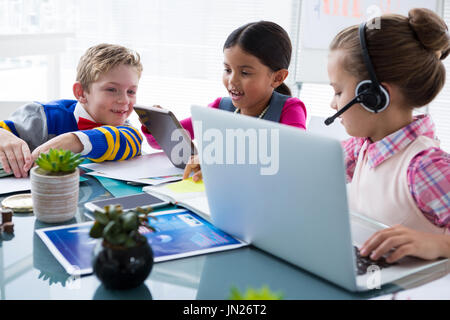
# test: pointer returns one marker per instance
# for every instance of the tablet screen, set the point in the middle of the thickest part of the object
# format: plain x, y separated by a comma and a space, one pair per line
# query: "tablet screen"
167, 131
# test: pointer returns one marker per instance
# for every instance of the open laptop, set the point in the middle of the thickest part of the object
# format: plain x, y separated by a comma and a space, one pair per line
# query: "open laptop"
284, 191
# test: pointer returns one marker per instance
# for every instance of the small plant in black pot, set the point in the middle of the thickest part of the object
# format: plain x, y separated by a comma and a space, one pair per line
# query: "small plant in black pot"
124, 259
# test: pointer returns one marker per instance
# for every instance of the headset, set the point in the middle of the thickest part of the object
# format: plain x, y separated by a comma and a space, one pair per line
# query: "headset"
369, 93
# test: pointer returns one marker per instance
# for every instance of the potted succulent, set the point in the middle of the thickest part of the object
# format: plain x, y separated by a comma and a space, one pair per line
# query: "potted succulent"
123, 259
255, 294
55, 185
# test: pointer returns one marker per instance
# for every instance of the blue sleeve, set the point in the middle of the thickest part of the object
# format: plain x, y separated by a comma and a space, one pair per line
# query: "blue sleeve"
113, 143
9, 125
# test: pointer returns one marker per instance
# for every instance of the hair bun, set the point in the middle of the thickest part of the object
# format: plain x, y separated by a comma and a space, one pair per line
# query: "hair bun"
431, 30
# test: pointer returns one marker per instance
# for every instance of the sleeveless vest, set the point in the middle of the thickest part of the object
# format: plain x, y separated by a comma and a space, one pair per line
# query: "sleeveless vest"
383, 193
273, 113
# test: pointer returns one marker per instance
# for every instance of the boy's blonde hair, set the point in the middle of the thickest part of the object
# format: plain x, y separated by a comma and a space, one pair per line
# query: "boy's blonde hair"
101, 58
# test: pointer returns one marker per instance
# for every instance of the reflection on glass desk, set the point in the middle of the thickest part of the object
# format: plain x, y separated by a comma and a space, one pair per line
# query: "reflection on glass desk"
29, 271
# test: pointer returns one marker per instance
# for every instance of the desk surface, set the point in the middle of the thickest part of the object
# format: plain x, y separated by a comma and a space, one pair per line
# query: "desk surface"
29, 271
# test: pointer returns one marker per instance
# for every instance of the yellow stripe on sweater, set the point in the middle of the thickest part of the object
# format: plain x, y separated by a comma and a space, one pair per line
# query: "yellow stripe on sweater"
111, 143
4, 126
117, 143
126, 153
138, 138
131, 141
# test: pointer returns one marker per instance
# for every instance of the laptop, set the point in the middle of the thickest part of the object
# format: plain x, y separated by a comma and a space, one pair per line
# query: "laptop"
284, 191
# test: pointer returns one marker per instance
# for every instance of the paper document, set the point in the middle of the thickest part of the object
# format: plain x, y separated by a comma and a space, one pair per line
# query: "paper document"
12, 184
435, 290
152, 168
185, 193
198, 205
149, 181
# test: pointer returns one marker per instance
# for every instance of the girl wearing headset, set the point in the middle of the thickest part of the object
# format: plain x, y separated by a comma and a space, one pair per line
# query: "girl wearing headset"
398, 175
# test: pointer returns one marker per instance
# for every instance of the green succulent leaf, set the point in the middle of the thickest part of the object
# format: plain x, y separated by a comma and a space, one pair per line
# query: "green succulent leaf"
111, 229
65, 157
130, 221
114, 214
254, 294
235, 294
73, 157
42, 163
119, 239
101, 217
121, 228
96, 230
59, 160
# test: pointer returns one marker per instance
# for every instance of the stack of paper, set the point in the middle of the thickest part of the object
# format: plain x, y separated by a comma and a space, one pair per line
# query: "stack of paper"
186, 193
152, 169
435, 290
13, 184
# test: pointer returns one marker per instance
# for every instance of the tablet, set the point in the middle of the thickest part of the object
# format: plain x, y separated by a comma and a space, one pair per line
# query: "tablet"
130, 202
173, 139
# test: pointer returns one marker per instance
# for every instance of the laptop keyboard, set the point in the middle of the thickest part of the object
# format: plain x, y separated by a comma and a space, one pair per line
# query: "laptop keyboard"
363, 263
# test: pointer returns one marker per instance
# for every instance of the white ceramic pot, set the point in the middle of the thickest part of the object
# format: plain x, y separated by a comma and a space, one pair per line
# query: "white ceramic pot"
55, 198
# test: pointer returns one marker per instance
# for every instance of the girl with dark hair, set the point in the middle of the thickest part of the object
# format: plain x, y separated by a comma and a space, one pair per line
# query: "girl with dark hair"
396, 171
256, 61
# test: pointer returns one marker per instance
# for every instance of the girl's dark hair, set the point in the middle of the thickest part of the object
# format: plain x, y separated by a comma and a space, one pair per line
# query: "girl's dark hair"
405, 51
268, 42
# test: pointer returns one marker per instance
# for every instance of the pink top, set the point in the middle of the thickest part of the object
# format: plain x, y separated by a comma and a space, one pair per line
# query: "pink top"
293, 114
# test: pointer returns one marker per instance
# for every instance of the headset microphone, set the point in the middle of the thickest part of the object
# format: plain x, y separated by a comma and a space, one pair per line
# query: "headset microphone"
354, 101
369, 93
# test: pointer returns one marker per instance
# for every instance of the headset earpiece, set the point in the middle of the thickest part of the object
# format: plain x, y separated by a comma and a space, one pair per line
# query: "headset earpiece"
373, 99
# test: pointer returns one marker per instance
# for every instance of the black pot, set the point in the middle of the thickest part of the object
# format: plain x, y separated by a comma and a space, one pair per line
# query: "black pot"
122, 268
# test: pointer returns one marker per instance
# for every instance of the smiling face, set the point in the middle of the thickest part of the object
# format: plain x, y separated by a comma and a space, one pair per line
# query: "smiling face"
249, 83
357, 121
111, 98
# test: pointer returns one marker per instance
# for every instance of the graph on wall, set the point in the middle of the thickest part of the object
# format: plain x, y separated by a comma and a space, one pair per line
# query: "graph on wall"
323, 18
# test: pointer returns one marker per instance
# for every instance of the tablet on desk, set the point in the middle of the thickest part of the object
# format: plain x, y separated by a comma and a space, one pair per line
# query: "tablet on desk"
168, 132
131, 202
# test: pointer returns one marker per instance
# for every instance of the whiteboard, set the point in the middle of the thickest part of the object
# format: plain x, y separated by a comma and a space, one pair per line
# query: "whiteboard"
321, 20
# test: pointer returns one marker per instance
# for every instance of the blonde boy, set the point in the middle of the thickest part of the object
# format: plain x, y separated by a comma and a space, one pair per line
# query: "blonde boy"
95, 124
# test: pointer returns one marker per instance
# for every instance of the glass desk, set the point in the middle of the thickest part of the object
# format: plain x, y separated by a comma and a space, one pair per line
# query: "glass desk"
29, 271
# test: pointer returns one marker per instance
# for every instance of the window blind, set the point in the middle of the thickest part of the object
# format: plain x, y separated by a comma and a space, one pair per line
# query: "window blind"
180, 43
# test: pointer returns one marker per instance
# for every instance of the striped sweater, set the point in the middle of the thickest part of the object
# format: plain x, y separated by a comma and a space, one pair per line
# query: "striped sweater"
36, 123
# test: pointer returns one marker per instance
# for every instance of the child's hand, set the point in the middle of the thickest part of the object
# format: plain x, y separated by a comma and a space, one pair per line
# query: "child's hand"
15, 154
193, 166
404, 242
67, 141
